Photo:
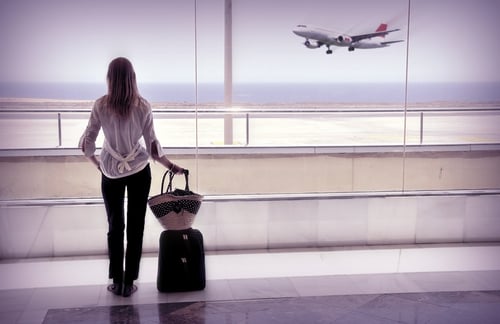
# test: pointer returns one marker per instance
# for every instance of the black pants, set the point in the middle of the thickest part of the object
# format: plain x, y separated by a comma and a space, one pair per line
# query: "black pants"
113, 192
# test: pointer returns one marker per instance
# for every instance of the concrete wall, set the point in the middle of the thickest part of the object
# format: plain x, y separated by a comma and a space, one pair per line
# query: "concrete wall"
72, 176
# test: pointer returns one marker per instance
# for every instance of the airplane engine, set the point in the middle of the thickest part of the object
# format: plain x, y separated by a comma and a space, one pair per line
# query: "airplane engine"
308, 44
344, 39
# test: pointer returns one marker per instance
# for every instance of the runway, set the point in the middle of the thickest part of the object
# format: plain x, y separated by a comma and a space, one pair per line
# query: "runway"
275, 128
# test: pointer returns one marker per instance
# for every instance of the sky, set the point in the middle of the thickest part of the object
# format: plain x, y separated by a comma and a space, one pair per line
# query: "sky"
73, 41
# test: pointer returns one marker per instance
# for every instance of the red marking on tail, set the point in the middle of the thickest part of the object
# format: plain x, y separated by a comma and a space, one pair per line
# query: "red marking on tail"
381, 28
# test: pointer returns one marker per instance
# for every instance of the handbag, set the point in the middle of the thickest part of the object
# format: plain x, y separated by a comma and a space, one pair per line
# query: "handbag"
175, 209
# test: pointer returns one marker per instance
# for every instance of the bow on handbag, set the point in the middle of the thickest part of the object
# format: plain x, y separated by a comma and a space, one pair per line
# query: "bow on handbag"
175, 209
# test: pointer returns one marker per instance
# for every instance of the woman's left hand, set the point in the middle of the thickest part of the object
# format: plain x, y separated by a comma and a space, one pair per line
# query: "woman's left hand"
176, 169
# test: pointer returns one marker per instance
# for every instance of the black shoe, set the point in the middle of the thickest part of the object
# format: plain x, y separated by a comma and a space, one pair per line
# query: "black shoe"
115, 289
129, 290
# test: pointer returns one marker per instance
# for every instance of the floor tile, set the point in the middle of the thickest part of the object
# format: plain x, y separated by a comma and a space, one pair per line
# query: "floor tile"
44, 298
435, 298
262, 288
357, 318
367, 309
14, 300
214, 290
10, 316
32, 316
402, 310
442, 281
385, 283
326, 285
487, 280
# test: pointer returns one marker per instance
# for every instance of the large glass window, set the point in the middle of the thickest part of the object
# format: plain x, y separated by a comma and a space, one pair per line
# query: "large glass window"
452, 66
268, 96
55, 55
314, 107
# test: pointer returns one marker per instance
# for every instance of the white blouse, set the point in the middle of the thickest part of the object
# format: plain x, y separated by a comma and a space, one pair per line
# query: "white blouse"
122, 154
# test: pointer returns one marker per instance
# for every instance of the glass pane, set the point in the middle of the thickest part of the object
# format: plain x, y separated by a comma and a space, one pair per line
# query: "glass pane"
454, 102
315, 121
453, 84
55, 56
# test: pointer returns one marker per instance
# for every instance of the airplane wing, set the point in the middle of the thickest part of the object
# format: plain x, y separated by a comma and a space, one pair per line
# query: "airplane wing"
391, 42
357, 38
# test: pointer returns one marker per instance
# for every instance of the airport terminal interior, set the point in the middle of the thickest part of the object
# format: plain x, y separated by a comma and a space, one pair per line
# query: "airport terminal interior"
349, 163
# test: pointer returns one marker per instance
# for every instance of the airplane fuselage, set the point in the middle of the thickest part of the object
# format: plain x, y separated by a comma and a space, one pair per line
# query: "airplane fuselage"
317, 37
321, 36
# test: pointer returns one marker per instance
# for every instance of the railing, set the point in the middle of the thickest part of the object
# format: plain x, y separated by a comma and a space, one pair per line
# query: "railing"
268, 126
50, 202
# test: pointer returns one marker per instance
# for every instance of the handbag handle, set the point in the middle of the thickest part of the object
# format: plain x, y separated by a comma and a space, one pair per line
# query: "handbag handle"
171, 177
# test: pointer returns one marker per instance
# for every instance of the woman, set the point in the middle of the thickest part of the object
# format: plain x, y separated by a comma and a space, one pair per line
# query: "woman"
124, 117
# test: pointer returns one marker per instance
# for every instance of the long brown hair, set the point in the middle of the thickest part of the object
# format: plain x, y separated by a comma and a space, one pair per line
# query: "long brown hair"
122, 86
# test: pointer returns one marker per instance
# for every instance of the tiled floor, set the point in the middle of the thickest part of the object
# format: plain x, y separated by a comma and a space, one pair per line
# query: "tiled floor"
439, 307
314, 297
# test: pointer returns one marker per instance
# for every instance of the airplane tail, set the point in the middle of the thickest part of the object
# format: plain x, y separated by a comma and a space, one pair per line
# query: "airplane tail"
381, 28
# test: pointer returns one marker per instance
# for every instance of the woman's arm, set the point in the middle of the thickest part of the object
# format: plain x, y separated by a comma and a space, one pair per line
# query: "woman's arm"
153, 145
164, 160
95, 161
88, 138
92, 158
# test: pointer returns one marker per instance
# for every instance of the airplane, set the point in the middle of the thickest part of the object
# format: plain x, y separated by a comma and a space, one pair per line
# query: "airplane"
322, 37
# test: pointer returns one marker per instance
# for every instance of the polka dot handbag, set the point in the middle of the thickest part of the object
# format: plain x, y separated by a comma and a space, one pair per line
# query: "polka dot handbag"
177, 209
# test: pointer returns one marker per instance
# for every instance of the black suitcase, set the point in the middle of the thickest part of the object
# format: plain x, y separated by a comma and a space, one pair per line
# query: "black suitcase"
181, 261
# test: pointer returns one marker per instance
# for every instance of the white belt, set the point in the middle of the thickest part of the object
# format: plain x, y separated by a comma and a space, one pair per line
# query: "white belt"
123, 160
